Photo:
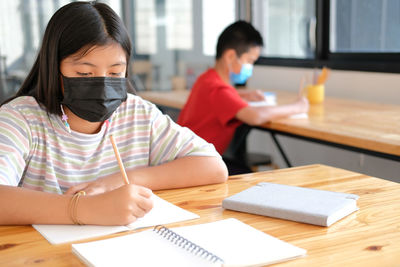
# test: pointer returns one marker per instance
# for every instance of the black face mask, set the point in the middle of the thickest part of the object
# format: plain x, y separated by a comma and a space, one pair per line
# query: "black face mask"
94, 99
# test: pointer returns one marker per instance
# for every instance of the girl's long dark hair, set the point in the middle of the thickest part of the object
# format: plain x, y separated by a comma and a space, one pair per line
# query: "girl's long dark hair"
75, 27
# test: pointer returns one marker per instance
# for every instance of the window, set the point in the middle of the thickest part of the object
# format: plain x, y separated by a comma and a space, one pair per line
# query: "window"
360, 26
287, 26
179, 23
340, 34
214, 22
175, 40
145, 27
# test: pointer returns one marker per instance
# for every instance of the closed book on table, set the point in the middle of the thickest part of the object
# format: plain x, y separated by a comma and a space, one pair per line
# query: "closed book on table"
294, 203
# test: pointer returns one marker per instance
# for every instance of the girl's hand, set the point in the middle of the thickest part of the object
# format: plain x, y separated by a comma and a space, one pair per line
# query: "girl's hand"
117, 207
99, 186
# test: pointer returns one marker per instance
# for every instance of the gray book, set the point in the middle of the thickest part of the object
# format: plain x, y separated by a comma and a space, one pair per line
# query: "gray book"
294, 203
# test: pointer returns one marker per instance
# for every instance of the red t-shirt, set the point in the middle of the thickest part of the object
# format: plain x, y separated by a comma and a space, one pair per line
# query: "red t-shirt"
211, 109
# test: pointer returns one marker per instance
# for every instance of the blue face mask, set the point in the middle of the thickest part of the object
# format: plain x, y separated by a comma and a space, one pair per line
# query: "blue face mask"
245, 72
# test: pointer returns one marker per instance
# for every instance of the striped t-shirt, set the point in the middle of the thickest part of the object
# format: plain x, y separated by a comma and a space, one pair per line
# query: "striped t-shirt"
38, 152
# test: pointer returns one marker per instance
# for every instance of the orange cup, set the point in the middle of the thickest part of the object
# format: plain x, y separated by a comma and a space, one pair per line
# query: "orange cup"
315, 93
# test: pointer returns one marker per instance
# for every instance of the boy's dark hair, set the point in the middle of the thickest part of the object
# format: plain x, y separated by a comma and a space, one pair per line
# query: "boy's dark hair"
74, 27
240, 36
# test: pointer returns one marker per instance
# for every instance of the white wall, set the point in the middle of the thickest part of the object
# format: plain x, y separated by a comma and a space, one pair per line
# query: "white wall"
366, 86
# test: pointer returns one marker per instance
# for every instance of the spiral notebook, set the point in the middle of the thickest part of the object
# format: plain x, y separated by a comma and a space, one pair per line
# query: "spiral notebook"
163, 212
228, 242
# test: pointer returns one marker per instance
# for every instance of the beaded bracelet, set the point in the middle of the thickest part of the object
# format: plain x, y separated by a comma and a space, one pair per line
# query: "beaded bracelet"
73, 206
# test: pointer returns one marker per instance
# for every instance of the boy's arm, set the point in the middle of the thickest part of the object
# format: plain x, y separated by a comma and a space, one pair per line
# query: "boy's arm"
251, 95
260, 115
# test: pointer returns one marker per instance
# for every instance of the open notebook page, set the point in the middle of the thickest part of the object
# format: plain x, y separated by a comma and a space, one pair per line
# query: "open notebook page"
235, 242
239, 244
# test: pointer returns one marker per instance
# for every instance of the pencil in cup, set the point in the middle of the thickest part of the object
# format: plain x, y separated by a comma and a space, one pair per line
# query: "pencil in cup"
120, 163
324, 76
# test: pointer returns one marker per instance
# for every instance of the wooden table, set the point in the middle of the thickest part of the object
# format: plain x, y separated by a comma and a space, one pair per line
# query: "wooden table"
369, 128
369, 237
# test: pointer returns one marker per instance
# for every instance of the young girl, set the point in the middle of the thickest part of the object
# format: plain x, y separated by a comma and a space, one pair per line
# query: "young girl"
54, 134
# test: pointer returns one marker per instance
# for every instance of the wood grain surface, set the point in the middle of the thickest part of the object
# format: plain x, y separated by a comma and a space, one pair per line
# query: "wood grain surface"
365, 125
368, 237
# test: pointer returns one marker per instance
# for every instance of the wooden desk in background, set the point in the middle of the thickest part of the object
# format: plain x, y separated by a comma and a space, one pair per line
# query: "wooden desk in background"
364, 127
368, 237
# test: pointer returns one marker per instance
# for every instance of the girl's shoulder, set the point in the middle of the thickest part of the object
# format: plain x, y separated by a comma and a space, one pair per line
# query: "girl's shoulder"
137, 100
137, 110
23, 103
23, 114
137, 104
24, 108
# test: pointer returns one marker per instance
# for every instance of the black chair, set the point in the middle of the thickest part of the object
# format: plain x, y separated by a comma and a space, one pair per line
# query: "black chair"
239, 160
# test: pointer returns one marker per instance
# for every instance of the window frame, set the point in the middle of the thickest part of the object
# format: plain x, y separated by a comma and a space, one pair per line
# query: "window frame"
373, 62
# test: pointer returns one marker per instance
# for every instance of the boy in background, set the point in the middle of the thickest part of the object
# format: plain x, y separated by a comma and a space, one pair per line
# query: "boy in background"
215, 108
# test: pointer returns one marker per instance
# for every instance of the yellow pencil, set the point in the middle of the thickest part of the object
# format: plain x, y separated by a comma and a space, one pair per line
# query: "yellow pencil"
121, 165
